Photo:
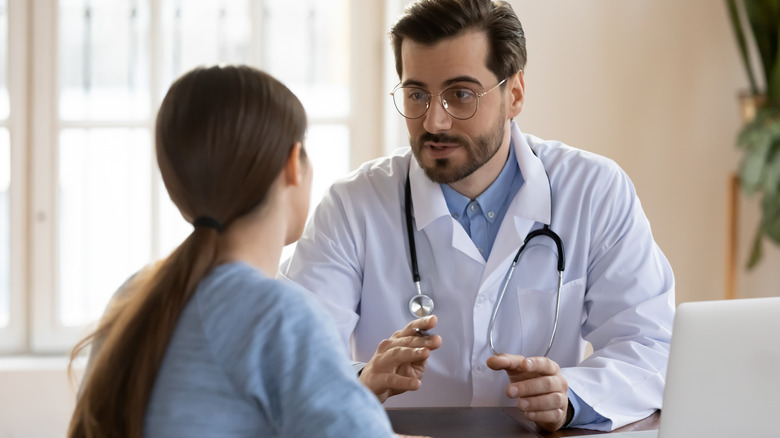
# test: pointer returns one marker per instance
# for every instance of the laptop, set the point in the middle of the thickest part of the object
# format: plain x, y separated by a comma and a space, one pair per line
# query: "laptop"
723, 378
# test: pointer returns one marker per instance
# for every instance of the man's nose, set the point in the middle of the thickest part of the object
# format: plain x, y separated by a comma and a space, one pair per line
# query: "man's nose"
437, 119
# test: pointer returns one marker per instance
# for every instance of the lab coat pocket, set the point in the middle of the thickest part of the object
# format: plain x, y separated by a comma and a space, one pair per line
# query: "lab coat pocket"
537, 318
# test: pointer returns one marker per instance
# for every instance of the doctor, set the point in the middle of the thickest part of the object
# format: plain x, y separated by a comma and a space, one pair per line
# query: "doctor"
478, 186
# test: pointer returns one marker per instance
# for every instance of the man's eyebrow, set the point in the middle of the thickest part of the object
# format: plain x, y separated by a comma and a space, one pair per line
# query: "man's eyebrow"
464, 78
445, 84
412, 83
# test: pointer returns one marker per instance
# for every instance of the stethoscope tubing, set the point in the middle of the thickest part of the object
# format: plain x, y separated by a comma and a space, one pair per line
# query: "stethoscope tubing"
422, 305
545, 231
410, 233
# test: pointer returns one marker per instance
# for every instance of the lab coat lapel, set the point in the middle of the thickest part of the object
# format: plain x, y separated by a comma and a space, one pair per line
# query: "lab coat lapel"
530, 205
428, 206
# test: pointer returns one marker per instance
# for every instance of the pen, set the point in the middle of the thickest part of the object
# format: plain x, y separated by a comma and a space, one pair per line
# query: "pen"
421, 332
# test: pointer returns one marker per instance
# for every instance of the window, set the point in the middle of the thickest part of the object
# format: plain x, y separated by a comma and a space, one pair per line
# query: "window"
99, 210
5, 174
12, 175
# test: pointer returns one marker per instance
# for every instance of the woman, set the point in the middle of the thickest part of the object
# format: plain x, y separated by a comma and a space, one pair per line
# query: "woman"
207, 343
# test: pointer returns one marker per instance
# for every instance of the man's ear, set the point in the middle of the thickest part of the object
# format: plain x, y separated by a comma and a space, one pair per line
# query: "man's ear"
292, 169
516, 84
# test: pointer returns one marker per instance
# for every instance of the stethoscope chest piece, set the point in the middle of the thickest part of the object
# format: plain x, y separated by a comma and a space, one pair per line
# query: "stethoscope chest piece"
420, 305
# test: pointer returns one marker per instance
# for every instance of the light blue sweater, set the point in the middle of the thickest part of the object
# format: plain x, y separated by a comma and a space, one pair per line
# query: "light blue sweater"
254, 357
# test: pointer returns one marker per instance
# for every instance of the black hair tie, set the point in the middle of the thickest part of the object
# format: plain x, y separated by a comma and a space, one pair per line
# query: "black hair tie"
205, 221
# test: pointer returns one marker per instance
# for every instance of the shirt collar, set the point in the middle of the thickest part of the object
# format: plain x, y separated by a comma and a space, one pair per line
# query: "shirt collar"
531, 202
493, 199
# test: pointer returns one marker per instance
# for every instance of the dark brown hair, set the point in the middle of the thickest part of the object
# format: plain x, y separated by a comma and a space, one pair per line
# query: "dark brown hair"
223, 135
430, 21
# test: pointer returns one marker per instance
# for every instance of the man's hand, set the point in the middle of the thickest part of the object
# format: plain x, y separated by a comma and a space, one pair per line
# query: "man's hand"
539, 386
399, 362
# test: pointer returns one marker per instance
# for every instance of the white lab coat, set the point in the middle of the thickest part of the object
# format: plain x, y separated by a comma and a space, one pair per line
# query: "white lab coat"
618, 290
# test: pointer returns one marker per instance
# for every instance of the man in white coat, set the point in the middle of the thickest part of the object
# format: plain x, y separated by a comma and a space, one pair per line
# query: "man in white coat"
477, 188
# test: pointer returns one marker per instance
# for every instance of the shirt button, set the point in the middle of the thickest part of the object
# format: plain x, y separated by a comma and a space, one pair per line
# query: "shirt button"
480, 300
481, 251
473, 207
456, 215
491, 214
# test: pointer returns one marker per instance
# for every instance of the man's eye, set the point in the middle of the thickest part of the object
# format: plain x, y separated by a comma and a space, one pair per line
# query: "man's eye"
417, 96
462, 94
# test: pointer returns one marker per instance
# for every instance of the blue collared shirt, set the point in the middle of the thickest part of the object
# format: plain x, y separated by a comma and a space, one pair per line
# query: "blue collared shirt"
481, 218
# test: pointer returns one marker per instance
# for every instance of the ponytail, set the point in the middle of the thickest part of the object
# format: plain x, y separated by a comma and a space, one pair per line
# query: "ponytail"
135, 334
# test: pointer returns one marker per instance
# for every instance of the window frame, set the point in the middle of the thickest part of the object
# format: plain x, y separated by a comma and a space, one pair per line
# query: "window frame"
12, 337
45, 336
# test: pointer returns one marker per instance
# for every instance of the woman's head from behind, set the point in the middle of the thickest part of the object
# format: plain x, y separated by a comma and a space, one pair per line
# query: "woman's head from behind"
226, 138
224, 134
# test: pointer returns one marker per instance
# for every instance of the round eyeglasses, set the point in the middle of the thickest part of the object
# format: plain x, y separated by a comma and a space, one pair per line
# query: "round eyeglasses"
460, 102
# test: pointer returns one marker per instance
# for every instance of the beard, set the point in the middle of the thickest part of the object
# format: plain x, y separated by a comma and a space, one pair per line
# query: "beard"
479, 152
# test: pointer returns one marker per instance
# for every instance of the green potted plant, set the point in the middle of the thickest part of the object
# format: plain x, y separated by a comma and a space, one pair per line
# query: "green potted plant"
759, 138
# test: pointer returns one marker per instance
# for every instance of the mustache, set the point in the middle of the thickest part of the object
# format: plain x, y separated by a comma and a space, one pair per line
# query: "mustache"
441, 138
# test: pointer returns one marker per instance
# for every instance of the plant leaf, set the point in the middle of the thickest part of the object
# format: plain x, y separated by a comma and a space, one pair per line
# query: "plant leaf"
773, 77
770, 218
757, 251
750, 169
739, 33
763, 18
755, 140
759, 168
770, 176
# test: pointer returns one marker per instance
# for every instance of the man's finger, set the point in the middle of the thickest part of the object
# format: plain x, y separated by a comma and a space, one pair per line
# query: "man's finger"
508, 362
397, 383
429, 342
546, 402
413, 328
401, 355
541, 365
521, 364
536, 386
549, 420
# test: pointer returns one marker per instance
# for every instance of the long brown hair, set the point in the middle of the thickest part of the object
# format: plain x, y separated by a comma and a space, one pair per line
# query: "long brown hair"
223, 135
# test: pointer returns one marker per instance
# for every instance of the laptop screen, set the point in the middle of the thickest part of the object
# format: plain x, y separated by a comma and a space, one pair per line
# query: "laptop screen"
723, 377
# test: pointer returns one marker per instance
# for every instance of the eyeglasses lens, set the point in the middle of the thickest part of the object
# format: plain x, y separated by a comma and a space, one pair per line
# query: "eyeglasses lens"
413, 103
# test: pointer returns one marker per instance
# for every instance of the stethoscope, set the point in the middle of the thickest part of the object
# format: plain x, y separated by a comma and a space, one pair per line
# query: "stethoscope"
421, 305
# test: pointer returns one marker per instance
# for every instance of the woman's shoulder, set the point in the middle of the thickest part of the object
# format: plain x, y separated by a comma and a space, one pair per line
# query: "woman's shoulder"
272, 340
237, 297
240, 289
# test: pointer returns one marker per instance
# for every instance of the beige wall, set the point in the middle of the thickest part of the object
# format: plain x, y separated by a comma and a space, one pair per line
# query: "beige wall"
652, 85
37, 397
